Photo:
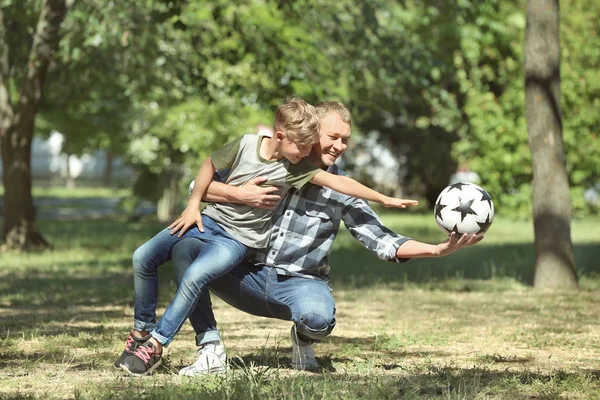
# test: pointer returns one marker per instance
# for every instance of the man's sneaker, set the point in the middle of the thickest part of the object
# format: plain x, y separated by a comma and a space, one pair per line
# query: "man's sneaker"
303, 355
133, 342
212, 359
143, 361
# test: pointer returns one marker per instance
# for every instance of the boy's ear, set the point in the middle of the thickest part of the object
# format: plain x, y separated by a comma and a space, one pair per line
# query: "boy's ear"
279, 136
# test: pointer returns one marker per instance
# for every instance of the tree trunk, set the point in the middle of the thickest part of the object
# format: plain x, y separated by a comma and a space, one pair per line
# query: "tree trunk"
168, 205
17, 125
554, 260
107, 176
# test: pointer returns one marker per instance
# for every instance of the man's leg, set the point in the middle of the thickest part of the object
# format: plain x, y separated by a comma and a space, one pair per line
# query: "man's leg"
313, 311
262, 292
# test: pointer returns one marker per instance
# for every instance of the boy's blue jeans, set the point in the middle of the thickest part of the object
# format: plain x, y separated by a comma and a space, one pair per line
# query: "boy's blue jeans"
259, 291
218, 252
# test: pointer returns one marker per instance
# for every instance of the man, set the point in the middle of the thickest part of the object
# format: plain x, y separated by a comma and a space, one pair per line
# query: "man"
289, 280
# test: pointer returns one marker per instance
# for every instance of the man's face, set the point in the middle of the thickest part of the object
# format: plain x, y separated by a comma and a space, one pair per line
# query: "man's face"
334, 136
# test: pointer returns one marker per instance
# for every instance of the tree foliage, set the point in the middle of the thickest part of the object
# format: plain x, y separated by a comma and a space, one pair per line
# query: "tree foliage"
165, 82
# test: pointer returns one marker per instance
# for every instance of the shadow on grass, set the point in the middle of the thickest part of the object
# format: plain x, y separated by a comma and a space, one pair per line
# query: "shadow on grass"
42, 294
63, 304
426, 382
279, 357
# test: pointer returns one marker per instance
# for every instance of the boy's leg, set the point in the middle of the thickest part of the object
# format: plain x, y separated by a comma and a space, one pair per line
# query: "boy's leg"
146, 261
201, 317
219, 253
211, 356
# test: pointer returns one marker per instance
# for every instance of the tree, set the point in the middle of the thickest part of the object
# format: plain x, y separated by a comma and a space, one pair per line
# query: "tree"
17, 121
399, 67
222, 68
554, 259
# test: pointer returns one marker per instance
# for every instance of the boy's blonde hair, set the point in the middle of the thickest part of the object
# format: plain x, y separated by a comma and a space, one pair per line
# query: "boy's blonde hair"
298, 121
325, 108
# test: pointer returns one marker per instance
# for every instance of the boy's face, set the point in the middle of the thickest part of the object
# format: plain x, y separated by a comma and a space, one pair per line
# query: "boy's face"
294, 151
333, 141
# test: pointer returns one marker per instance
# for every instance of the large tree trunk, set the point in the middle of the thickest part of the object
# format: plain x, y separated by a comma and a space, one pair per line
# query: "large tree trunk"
17, 125
554, 260
168, 207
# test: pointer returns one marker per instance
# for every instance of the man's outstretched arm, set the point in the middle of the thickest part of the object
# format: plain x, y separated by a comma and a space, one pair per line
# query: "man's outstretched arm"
367, 227
415, 249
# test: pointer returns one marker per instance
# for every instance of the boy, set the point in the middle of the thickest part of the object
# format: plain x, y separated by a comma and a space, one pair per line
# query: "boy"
228, 230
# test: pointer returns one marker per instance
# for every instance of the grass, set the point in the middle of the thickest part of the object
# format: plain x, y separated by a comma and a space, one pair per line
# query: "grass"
467, 326
42, 190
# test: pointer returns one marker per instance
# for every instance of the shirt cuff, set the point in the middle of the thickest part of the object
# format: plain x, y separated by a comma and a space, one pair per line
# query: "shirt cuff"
399, 243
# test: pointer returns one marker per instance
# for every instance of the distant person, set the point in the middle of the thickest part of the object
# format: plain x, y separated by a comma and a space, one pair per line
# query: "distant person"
289, 279
464, 174
227, 231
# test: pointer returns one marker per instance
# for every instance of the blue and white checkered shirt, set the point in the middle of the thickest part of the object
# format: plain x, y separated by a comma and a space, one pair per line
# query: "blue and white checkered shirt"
307, 223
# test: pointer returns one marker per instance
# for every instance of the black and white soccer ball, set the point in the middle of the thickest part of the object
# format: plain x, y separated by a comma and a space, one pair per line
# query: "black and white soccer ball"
464, 208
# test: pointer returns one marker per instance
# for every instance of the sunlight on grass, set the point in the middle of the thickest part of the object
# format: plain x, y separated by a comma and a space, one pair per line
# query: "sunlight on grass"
461, 327
62, 192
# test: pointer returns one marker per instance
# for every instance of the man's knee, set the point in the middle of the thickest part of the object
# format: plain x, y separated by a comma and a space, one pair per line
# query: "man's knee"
315, 325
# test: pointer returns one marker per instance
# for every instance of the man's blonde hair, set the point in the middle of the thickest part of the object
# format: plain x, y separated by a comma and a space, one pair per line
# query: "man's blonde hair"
298, 121
325, 108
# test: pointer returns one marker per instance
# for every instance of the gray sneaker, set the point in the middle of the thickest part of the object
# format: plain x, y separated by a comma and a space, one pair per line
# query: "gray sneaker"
303, 355
212, 359
143, 361
133, 342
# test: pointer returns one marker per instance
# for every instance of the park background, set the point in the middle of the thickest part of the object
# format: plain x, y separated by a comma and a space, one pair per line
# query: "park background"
155, 86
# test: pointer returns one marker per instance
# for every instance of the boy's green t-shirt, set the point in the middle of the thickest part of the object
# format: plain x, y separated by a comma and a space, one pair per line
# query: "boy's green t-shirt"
251, 225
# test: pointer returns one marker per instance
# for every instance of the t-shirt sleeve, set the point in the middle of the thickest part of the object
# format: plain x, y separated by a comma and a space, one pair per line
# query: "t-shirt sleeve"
225, 156
300, 174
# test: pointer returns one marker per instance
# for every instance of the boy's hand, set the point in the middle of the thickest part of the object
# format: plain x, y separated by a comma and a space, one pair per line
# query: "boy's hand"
454, 243
187, 219
399, 203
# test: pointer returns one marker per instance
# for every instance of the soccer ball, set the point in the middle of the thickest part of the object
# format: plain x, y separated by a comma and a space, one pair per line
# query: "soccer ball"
464, 208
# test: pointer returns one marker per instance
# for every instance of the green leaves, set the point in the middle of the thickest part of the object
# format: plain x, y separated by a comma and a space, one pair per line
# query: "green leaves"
168, 82
494, 137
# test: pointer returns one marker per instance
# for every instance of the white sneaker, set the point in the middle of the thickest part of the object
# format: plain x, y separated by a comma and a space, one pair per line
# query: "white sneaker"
212, 359
303, 355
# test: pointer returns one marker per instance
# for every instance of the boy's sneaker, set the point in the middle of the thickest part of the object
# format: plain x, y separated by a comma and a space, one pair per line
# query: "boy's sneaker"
212, 359
143, 361
303, 355
133, 342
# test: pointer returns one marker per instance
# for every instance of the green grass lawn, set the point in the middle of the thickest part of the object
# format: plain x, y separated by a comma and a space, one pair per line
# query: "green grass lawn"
39, 189
463, 327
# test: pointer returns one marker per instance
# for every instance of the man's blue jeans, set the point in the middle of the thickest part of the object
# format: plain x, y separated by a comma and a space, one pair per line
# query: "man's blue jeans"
262, 292
217, 252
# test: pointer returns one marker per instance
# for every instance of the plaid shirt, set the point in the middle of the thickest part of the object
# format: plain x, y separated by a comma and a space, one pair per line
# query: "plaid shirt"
307, 224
